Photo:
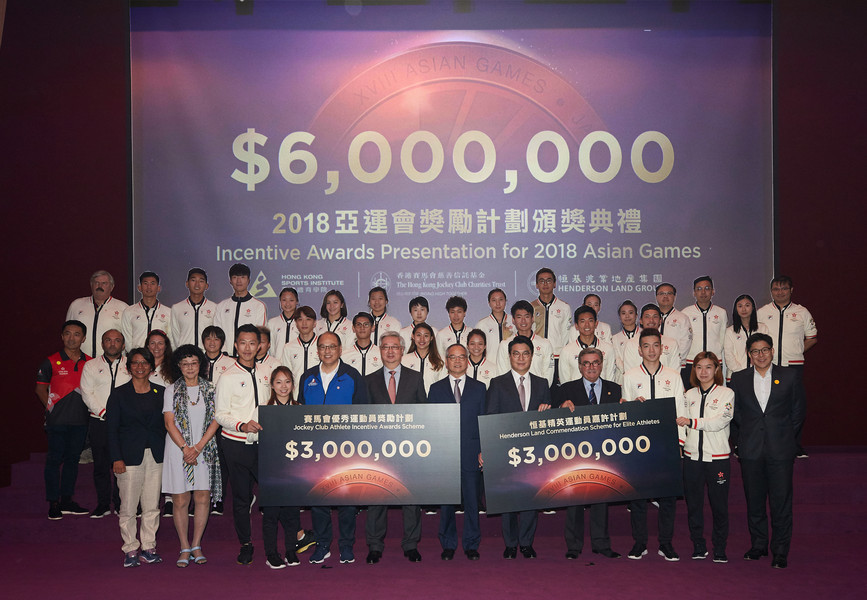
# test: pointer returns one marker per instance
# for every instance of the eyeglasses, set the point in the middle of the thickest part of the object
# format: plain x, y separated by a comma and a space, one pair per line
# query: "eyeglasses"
545, 280
705, 288
594, 363
761, 351
329, 347
363, 324
519, 354
189, 363
457, 357
390, 347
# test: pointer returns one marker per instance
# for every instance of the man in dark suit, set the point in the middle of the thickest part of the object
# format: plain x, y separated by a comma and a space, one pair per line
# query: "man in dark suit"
769, 409
393, 384
518, 390
588, 391
470, 394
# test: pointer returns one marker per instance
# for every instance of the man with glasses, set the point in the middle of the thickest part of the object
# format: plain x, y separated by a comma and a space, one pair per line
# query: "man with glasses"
769, 411
589, 390
794, 330
393, 384
470, 395
518, 390
332, 382
542, 359
708, 322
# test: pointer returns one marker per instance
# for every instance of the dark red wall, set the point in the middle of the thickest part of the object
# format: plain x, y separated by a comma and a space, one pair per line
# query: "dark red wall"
64, 182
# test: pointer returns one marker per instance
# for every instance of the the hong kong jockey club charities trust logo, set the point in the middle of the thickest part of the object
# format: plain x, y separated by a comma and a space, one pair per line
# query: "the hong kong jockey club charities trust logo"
381, 279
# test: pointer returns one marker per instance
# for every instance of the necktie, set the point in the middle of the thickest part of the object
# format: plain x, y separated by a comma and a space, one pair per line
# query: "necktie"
593, 399
522, 394
392, 387
457, 391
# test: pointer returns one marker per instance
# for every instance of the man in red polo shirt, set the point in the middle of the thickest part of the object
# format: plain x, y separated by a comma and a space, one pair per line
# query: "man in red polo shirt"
58, 388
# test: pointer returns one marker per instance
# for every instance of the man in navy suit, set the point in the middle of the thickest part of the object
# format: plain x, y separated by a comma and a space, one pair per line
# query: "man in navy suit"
518, 390
588, 391
770, 407
470, 394
393, 384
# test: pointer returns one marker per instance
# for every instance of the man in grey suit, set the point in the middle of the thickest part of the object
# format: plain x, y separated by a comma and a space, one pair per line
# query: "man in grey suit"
770, 407
393, 384
518, 390
589, 390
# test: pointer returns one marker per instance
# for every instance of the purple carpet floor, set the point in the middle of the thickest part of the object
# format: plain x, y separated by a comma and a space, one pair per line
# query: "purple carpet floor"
79, 557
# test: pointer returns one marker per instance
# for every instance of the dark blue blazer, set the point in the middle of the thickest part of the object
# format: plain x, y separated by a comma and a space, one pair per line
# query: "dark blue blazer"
503, 394
608, 393
135, 422
472, 406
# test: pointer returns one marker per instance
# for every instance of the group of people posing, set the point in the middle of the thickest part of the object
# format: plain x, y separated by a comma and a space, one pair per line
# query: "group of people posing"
184, 422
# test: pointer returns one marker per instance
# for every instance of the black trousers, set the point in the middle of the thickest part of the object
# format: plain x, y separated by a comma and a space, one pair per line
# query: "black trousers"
574, 532
799, 369
243, 462
103, 476
715, 477
289, 517
519, 528
377, 523
65, 443
766, 482
665, 520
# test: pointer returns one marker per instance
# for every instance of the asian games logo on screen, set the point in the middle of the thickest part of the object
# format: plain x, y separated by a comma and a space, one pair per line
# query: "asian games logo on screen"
381, 279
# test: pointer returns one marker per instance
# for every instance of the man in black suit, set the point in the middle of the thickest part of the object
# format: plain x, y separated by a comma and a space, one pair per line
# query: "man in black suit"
470, 394
518, 390
393, 384
769, 409
587, 391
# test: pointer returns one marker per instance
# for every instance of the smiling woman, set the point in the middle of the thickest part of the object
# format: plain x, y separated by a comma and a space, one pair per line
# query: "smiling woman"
136, 438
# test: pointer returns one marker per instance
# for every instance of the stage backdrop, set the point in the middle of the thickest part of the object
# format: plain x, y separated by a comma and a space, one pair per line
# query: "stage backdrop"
436, 152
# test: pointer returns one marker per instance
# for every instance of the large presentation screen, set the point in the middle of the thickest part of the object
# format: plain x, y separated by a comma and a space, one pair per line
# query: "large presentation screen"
449, 148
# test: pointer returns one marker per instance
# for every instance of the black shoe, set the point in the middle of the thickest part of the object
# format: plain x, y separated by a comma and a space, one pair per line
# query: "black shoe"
638, 550
755, 554
305, 542
413, 555
100, 511
373, 557
510, 553
528, 552
779, 562
447, 554
245, 556
720, 557
472, 554
699, 552
71, 507
607, 553
217, 508
54, 513
572, 555
292, 559
275, 561
169, 508
667, 551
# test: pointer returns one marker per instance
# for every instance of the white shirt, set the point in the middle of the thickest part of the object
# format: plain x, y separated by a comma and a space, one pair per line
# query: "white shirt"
491, 327
189, 320
797, 325
460, 381
762, 387
138, 320
105, 318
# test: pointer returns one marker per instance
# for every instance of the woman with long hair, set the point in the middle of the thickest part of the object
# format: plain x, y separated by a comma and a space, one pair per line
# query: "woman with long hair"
192, 465
744, 323
424, 357
628, 313
159, 345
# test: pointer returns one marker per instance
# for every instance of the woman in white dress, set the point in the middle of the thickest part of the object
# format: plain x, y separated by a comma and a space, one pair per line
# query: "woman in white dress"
191, 464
